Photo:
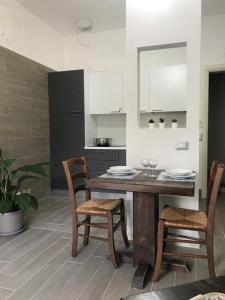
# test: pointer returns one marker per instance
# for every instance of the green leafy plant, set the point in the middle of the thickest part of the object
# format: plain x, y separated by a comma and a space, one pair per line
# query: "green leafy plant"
161, 120
11, 197
174, 121
151, 121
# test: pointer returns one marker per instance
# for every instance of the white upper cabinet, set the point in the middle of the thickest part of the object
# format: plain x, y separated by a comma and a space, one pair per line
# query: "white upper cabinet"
106, 92
164, 88
167, 88
163, 78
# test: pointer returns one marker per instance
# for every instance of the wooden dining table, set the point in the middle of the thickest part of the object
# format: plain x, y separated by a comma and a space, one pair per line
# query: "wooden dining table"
146, 191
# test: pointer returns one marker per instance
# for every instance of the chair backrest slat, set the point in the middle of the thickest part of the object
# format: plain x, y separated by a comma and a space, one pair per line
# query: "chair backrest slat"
212, 175
211, 179
213, 196
75, 161
72, 176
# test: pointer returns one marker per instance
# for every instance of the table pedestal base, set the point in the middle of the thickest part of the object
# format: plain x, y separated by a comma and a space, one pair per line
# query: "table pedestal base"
143, 270
146, 214
140, 276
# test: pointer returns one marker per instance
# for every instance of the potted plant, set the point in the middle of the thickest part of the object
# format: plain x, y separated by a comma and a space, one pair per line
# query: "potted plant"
161, 123
151, 124
14, 202
174, 123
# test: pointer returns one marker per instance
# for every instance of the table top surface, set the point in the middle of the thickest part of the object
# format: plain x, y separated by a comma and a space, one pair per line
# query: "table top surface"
143, 183
184, 291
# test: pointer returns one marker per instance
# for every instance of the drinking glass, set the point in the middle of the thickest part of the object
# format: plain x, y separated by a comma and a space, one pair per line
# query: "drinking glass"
152, 163
145, 164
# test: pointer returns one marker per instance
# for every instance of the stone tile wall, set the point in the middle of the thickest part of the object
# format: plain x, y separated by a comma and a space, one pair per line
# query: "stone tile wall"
24, 120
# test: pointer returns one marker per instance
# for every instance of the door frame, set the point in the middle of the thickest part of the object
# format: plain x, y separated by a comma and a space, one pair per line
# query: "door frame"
205, 109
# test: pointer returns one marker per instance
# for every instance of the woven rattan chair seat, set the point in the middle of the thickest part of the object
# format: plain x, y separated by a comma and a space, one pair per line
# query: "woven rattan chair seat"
98, 206
184, 218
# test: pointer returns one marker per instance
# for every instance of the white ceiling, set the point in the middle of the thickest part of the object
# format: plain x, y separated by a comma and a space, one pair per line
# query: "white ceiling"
213, 7
64, 15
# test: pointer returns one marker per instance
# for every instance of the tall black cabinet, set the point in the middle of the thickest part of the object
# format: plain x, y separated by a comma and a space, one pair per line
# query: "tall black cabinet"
66, 115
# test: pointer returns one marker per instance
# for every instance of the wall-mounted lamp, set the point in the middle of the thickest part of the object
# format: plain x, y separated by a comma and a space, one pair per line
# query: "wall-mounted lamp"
83, 26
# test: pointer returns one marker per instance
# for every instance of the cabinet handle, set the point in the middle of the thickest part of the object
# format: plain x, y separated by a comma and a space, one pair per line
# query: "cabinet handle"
116, 111
157, 110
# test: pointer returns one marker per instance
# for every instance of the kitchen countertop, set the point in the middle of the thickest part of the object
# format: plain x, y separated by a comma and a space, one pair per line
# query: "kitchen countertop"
105, 148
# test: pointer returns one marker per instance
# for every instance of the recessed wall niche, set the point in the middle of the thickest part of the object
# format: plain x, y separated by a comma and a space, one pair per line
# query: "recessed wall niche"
162, 84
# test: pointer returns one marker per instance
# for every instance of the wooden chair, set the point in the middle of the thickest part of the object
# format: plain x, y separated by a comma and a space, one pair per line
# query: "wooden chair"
106, 208
211, 179
188, 219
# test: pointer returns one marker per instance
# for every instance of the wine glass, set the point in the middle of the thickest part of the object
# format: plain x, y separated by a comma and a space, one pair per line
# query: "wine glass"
145, 164
152, 163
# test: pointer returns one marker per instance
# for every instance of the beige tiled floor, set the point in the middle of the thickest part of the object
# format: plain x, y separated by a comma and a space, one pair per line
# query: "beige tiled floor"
37, 264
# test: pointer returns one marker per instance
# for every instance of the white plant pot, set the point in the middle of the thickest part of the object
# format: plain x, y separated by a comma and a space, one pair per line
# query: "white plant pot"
151, 125
174, 124
161, 125
11, 223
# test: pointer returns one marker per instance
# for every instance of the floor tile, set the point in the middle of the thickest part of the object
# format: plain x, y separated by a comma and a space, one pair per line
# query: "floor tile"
37, 264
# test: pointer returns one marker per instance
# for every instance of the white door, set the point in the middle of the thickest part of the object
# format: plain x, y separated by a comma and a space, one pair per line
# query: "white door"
106, 92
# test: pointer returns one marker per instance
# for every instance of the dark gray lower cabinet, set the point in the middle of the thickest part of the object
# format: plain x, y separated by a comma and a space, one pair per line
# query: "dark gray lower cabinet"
98, 162
122, 158
101, 160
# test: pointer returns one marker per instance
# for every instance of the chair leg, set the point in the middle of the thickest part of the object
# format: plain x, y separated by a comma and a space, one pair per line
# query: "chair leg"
165, 230
74, 235
87, 231
111, 240
159, 250
210, 255
165, 234
123, 225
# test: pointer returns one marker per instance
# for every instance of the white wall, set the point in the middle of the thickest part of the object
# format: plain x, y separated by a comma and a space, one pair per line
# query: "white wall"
149, 28
213, 42
106, 50
213, 57
22, 32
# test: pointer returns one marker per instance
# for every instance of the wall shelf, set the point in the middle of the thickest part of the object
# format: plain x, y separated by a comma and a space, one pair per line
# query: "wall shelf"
167, 116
